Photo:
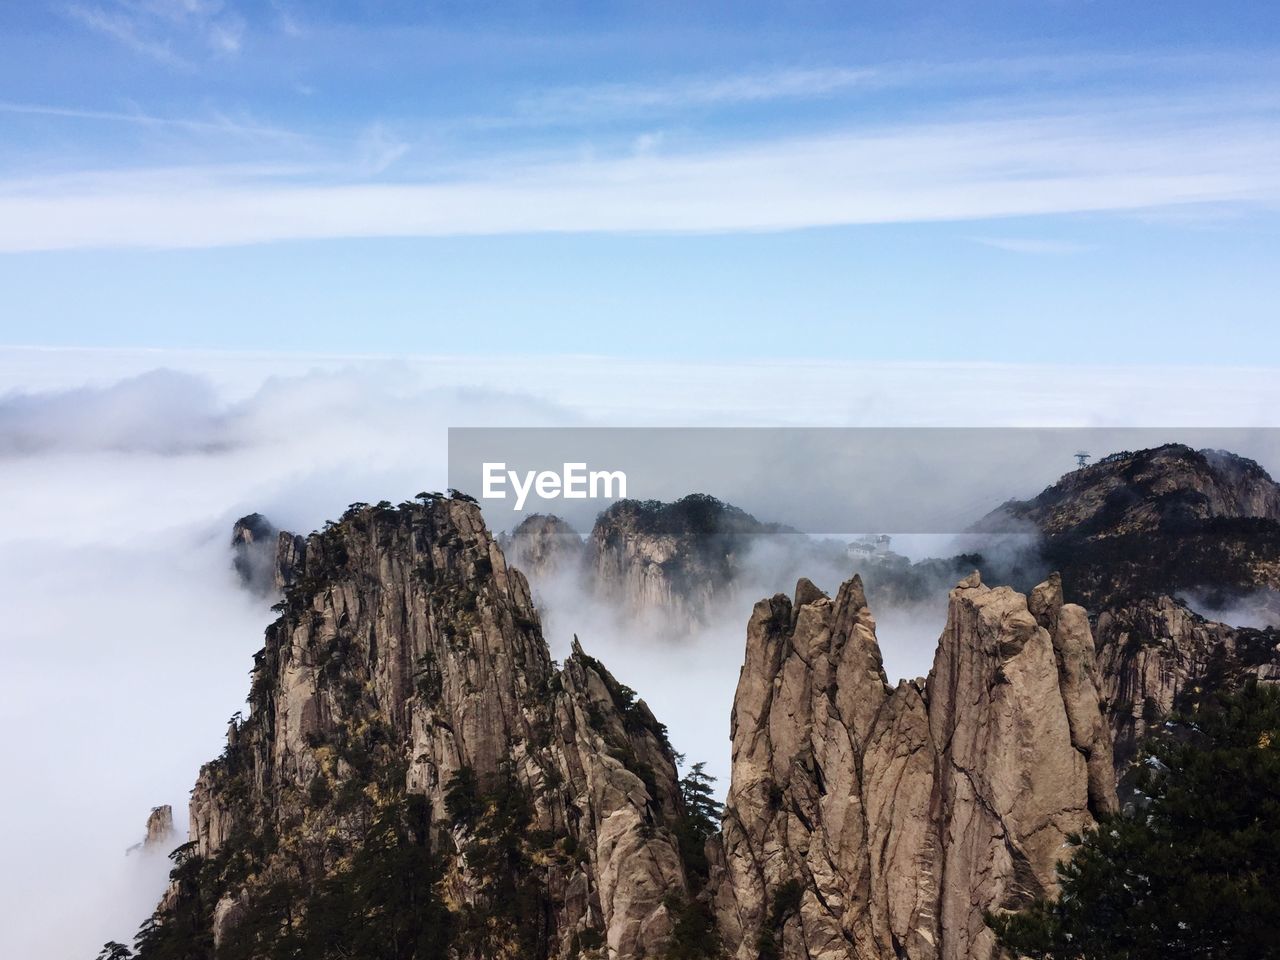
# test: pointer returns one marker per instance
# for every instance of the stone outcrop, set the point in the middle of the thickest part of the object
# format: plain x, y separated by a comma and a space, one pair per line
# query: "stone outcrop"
1148, 491
289, 561
160, 832
408, 662
542, 545
253, 540
160, 835
675, 563
670, 561
265, 559
1137, 529
1156, 656
870, 821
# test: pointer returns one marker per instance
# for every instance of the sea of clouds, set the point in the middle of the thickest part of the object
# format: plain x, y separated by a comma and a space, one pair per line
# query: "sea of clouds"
127, 641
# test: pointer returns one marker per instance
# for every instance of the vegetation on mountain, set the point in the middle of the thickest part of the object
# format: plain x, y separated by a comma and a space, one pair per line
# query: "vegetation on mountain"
1191, 871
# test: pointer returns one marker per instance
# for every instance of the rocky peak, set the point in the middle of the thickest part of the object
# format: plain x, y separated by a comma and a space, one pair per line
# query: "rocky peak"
265, 559
253, 551
407, 672
1151, 490
1133, 532
160, 830
160, 836
1156, 521
674, 558
870, 821
543, 545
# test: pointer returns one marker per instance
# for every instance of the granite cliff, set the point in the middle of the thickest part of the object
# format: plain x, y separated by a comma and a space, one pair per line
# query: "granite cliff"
405, 698
415, 777
877, 821
413, 768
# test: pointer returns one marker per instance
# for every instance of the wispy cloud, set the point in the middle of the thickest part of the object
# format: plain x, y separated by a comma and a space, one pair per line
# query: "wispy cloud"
577, 103
287, 19
159, 28
225, 36
1032, 245
214, 123
124, 28
377, 149
696, 91
958, 170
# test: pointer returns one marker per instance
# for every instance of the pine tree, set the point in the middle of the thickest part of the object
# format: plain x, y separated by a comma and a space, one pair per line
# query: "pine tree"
1194, 871
700, 819
700, 802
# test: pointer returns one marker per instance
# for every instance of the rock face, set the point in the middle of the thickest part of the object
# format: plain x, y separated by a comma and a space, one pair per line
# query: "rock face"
407, 667
869, 821
160, 836
253, 541
266, 559
671, 559
675, 565
1135, 530
543, 546
160, 832
1157, 656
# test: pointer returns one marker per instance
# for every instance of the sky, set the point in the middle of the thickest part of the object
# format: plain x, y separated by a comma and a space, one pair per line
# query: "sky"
1012, 181
259, 256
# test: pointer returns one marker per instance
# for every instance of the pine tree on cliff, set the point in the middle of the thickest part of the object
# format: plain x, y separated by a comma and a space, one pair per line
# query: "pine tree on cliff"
1195, 872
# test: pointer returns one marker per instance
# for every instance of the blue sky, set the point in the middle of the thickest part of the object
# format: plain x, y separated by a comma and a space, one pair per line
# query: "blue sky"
1007, 181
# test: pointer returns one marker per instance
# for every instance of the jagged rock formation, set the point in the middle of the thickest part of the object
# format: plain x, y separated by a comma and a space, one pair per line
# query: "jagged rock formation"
406, 682
1135, 530
266, 559
543, 545
412, 754
677, 565
868, 821
160, 832
160, 836
253, 540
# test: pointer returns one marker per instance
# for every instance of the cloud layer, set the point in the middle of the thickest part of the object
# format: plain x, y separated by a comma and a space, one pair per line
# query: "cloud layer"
1050, 161
128, 643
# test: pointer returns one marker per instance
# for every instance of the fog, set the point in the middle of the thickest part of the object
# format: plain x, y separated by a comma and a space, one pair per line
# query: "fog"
688, 678
1257, 609
127, 641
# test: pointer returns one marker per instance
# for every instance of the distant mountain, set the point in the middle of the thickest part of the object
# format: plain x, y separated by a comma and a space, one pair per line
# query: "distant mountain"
265, 559
1134, 535
1159, 521
676, 563
678, 558
542, 545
